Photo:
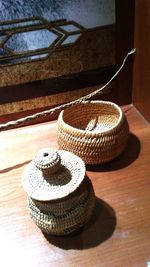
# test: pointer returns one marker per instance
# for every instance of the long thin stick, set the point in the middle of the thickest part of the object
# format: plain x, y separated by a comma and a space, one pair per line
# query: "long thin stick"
11, 124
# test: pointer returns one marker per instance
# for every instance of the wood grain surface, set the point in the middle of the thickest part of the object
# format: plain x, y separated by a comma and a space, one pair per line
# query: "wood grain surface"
141, 74
118, 234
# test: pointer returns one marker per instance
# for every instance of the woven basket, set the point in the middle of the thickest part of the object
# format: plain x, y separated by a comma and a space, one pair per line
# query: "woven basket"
65, 216
96, 131
60, 197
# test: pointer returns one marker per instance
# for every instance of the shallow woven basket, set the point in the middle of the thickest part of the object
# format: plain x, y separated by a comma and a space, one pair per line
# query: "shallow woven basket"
96, 131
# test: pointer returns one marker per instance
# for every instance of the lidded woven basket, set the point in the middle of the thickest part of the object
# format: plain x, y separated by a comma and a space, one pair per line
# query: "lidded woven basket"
96, 131
60, 197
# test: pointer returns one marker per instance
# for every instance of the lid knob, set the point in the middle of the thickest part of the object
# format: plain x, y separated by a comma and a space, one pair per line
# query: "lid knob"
47, 160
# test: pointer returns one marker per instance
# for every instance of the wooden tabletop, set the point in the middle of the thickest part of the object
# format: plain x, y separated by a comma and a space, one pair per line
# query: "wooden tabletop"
118, 234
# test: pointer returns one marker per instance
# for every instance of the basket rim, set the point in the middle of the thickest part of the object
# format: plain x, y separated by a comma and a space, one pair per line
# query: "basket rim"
94, 133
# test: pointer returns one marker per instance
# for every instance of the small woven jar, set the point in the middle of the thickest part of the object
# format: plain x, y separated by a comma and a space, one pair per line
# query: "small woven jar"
60, 197
96, 131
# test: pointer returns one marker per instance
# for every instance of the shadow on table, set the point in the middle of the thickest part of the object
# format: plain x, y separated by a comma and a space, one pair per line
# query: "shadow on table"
14, 167
129, 155
97, 230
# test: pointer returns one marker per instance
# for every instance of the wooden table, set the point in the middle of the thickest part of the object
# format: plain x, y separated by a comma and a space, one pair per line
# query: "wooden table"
118, 234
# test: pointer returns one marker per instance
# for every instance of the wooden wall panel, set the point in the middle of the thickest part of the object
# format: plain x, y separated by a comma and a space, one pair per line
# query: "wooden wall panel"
141, 77
124, 43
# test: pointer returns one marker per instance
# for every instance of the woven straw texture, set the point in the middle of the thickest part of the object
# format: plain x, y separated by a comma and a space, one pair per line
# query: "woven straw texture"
65, 216
60, 197
96, 131
44, 180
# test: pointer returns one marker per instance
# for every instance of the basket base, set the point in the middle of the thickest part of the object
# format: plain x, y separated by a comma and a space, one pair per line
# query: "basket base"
72, 221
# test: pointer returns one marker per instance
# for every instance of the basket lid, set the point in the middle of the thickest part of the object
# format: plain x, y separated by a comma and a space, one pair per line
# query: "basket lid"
53, 174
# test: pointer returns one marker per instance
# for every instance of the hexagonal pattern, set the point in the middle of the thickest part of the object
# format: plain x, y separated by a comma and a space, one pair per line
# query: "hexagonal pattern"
31, 40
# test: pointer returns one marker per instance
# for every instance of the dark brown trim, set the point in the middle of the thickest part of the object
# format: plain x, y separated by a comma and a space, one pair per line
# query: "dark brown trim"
124, 43
55, 85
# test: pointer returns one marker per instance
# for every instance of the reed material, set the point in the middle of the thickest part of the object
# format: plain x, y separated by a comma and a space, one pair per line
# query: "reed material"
96, 131
60, 197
